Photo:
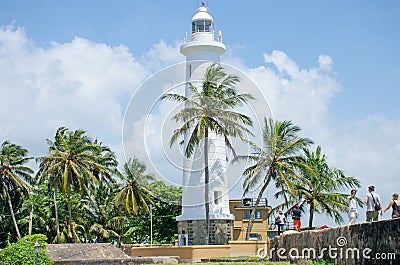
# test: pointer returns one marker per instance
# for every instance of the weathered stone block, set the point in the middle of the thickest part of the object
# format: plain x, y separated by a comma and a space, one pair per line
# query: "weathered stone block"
221, 231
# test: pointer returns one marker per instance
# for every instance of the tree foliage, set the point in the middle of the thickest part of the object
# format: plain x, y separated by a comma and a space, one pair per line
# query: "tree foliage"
276, 161
78, 178
14, 174
134, 193
78, 162
321, 186
23, 252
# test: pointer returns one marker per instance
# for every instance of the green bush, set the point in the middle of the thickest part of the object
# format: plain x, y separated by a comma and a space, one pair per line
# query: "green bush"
23, 252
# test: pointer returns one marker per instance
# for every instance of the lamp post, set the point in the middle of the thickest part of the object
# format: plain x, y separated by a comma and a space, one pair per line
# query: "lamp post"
37, 248
151, 225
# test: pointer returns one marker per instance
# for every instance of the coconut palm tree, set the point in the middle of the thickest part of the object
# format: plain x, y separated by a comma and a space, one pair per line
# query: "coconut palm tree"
108, 160
51, 172
319, 186
99, 202
66, 234
100, 212
73, 161
134, 194
14, 173
51, 175
275, 161
210, 109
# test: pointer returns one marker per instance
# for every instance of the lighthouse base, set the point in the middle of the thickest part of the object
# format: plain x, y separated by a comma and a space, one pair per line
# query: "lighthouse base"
193, 232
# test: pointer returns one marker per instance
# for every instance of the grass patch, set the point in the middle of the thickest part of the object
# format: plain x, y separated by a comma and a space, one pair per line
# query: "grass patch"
246, 260
253, 260
235, 259
240, 263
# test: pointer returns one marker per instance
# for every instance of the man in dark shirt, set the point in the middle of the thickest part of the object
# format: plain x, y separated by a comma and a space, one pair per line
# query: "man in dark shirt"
296, 215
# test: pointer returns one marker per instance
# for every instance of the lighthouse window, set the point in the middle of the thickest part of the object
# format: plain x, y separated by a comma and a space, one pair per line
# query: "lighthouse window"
217, 197
202, 26
207, 26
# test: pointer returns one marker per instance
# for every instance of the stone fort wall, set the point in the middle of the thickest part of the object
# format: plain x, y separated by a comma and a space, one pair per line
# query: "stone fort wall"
366, 243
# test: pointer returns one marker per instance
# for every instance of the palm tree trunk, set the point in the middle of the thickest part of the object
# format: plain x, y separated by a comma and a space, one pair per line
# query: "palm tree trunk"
71, 227
56, 212
206, 186
121, 237
12, 211
30, 218
310, 220
253, 211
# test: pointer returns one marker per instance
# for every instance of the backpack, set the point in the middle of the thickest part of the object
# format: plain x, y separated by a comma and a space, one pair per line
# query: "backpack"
396, 209
277, 220
377, 207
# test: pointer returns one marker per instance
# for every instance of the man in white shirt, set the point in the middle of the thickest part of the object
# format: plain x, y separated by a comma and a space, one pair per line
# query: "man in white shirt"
370, 200
352, 207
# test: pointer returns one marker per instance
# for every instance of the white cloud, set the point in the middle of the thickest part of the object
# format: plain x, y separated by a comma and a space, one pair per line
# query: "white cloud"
162, 55
79, 84
369, 150
300, 95
325, 62
12, 39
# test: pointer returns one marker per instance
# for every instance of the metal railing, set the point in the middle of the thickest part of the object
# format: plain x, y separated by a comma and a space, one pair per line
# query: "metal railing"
202, 35
289, 224
250, 202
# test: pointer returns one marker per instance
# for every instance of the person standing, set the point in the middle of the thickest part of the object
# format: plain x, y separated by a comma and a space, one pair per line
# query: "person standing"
395, 204
373, 201
280, 222
296, 215
352, 207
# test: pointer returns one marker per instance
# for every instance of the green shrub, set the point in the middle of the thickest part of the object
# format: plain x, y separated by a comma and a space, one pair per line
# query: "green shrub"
23, 252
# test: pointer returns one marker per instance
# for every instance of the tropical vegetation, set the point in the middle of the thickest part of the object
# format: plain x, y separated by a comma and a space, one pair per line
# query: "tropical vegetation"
299, 176
78, 194
321, 187
276, 161
23, 252
13, 175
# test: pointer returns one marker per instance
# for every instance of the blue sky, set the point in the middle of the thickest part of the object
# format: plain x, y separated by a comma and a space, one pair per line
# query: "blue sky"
53, 53
361, 36
361, 33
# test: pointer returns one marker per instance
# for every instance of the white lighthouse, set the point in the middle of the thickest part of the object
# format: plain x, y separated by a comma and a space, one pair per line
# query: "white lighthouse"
202, 47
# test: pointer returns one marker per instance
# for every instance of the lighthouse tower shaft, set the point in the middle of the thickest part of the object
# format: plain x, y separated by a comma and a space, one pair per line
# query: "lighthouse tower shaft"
202, 48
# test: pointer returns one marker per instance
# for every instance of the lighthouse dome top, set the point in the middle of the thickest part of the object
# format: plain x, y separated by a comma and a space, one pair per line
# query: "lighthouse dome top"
202, 14
203, 38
